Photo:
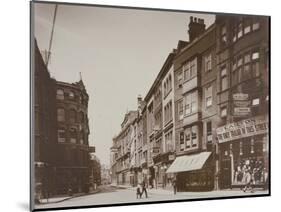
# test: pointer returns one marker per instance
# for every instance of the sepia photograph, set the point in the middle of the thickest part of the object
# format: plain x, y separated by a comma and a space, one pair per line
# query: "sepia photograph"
140, 105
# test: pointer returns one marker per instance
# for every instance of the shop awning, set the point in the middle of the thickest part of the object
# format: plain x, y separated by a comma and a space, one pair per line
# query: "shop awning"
189, 162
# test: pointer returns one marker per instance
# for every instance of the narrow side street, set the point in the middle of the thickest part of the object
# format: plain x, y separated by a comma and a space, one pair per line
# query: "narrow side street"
113, 195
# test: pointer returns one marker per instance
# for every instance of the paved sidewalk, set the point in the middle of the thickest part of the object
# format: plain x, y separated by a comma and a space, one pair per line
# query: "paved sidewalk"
225, 192
63, 198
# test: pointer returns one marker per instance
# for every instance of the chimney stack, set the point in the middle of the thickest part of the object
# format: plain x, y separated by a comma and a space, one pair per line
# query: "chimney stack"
196, 27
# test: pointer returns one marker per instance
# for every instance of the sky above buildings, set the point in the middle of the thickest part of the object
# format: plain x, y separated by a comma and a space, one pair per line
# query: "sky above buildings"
119, 53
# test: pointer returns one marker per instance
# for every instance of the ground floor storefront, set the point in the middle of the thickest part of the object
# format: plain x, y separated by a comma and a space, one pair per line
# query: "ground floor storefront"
244, 156
162, 162
194, 172
71, 180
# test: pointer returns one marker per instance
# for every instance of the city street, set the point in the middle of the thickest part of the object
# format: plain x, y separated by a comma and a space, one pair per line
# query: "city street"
113, 195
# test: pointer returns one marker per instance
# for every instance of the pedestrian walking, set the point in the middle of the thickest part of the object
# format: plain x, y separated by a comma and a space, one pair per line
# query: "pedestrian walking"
144, 189
174, 183
139, 191
248, 181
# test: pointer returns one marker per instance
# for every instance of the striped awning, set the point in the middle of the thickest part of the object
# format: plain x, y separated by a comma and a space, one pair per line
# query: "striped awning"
189, 162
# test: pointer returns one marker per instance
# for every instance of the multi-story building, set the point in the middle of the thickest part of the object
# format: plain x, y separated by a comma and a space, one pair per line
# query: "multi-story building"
243, 97
164, 154
72, 137
205, 119
61, 129
193, 84
121, 150
44, 128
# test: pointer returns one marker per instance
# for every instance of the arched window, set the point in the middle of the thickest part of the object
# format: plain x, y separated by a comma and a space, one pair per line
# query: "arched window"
60, 94
73, 135
72, 116
60, 114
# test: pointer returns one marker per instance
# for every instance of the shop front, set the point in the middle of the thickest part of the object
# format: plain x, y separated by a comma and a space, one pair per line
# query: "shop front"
162, 163
193, 172
243, 148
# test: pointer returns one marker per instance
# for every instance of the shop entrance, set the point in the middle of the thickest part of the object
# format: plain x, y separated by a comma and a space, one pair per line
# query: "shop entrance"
225, 174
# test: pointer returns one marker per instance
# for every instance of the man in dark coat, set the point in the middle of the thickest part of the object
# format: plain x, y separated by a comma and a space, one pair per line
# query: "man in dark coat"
144, 189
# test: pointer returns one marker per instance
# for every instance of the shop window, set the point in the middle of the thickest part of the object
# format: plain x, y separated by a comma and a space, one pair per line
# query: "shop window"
60, 94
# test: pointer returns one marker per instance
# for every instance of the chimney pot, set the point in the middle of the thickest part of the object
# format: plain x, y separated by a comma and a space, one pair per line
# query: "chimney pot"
191, 18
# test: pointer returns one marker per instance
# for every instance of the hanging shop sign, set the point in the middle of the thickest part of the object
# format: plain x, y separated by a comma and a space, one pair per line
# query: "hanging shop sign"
245, 128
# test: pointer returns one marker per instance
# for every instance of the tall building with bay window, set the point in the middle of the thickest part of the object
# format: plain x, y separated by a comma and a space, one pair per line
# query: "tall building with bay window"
195, 105
242, 46
205, 121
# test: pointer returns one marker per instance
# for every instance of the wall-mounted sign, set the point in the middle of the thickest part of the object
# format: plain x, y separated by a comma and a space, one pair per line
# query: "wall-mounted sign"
240, 96
241, 104
172, 157
241, 111
245, 128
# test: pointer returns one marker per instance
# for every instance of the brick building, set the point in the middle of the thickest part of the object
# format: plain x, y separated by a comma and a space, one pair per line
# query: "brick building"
61, 130
205, 120
44, 127
72, 137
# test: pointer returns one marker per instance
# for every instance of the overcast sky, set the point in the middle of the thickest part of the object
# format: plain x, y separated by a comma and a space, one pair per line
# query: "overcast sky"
119, 53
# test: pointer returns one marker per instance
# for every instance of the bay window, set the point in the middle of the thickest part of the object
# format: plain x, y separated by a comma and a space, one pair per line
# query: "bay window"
191, 103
